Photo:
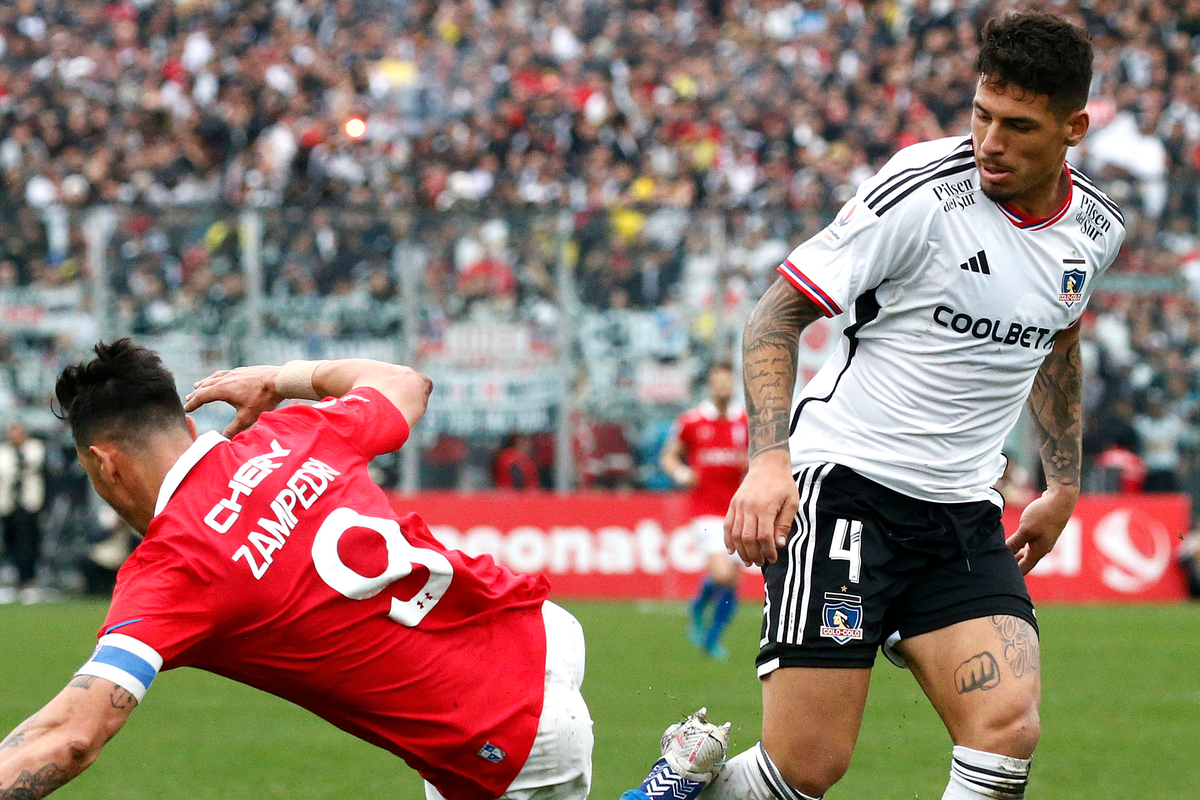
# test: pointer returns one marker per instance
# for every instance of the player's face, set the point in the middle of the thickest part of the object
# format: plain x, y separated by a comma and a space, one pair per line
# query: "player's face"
1020, 144
720, 385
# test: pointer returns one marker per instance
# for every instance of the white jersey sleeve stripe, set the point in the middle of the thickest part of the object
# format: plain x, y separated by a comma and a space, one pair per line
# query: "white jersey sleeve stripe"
905, 177
125, 661
955, 169
809, 289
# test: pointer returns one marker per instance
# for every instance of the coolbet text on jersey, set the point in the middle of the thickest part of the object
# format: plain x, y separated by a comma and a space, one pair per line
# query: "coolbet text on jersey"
716, 452
954, 301
274, 560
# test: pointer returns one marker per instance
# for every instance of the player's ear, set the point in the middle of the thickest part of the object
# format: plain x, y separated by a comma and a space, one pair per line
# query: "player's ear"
104, 457
191, 423
1077, 126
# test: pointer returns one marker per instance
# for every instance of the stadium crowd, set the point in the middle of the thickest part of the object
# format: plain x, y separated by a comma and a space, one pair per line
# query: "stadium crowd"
691, 144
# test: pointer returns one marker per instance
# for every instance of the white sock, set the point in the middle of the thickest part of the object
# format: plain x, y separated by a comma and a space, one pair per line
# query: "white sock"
751, 775
975, 775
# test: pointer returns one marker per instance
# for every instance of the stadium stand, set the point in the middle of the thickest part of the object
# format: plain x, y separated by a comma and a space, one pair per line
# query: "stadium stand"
561, 211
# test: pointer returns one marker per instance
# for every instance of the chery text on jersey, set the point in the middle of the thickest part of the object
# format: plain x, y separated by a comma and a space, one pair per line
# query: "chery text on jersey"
955, 300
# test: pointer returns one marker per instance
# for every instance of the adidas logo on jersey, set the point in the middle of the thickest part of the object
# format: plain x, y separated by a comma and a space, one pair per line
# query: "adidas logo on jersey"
976, 263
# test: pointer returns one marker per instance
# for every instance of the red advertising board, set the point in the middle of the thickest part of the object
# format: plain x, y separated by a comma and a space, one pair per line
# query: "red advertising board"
638, 545
1115, 548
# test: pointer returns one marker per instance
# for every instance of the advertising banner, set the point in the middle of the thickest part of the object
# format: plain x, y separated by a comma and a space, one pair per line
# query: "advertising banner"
1115, 548
639, 546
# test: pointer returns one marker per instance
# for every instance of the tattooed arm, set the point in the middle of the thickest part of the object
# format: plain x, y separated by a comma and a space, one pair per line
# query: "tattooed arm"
760, 514
63, 739
1056, 408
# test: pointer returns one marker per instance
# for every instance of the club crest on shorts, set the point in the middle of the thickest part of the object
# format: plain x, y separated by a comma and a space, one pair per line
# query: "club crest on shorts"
1072, 282
491, 753
841, 617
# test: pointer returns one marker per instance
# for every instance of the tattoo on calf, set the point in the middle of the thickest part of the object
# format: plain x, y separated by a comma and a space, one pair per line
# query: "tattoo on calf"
980, 671
1021, 648
82, 681
35, 785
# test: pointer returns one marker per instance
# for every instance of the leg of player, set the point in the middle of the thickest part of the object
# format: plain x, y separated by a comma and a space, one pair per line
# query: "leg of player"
697, 629
559, 766
983, 677
724, 572
811, 719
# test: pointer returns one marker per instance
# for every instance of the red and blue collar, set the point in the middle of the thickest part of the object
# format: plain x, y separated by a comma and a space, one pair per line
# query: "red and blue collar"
1028, 223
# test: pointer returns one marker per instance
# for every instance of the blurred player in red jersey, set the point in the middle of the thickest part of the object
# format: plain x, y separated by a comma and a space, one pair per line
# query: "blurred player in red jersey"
706, 452
272, 559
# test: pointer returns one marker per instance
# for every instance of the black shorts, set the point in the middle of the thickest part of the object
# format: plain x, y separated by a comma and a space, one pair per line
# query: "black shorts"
864, 562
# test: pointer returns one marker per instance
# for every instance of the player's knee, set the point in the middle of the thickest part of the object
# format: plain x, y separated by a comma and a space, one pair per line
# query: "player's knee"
1012, 729
813, 773
723, 568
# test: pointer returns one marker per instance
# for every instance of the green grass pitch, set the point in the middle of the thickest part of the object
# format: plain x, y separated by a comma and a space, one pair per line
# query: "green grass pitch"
1121, 713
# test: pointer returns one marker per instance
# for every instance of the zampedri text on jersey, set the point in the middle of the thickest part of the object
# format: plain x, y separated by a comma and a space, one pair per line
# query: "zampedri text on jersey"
303, 488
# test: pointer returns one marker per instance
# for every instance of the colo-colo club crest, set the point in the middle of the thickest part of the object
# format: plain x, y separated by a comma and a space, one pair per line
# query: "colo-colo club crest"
841, 618
1072, 282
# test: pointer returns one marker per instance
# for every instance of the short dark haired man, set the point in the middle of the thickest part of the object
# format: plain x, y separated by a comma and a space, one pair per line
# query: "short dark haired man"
965, 264
272, 559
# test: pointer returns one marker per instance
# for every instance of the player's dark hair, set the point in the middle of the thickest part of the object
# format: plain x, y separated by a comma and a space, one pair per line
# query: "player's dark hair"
1041, 53
122, 394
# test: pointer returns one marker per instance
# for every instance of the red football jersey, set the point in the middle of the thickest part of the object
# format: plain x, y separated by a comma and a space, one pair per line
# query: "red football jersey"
715, 448
274, 560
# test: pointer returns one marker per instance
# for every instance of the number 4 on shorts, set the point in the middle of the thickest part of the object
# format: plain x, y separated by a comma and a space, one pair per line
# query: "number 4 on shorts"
838, 551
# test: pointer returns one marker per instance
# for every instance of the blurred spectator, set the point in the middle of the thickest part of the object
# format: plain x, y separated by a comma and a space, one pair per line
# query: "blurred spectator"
22, 495
109, 544
1015, 485
1121, 459
1161, 433
515, 467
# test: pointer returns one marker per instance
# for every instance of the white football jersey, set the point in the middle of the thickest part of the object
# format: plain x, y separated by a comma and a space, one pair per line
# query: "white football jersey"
954, 300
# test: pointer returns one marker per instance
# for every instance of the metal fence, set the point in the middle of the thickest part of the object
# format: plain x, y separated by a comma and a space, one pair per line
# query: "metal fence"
569, 326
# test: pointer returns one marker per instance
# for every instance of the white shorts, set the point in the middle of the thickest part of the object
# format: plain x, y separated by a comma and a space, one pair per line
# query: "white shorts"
710, 535
559, 766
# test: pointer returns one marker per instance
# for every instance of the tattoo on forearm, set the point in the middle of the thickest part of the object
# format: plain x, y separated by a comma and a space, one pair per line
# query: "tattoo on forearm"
769, 347
979, 672
1020, 641
15, 738
122, 699
35, 785
1056, 408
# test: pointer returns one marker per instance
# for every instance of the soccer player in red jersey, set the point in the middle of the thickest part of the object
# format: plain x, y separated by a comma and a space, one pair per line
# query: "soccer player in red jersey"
706, 452
272, 559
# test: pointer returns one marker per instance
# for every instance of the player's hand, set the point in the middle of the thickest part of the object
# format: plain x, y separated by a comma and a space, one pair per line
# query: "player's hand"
761, 513
250, 390
1042, 522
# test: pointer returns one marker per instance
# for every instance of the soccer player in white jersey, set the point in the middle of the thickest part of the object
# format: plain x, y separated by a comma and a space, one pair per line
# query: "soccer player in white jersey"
271, 558
964, 265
